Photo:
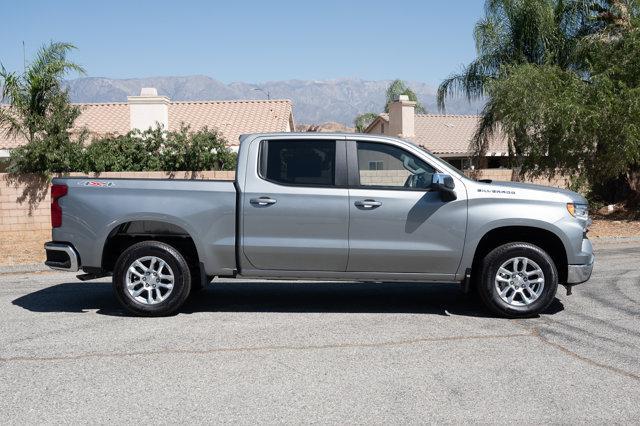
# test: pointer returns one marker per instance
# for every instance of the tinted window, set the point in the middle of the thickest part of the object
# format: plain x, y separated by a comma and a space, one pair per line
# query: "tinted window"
300, 162
388, 166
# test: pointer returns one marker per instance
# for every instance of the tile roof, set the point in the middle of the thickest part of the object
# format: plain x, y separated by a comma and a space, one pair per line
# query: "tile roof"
231, 118
450, 135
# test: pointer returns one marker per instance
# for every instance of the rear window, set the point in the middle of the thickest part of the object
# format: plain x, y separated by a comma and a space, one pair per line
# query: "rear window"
305, 162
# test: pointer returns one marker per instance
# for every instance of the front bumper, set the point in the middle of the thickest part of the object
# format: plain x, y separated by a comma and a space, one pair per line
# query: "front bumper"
581, 272
578, 274
61, 257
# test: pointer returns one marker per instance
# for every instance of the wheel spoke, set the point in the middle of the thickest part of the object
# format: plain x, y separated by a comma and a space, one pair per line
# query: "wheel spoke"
504, 271
135, 272
161, 265
536, 271
525, 262
502, 279
525, 298
504, 291
140, 265
166, 277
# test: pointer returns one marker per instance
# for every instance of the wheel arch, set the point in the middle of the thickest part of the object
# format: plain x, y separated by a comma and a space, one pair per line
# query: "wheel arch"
542, 237
127, 232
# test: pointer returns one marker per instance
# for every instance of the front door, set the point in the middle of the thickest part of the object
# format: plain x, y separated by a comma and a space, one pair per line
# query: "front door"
296, 207
397, 225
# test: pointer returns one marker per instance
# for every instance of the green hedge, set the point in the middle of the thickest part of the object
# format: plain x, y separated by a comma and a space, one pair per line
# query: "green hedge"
151, 150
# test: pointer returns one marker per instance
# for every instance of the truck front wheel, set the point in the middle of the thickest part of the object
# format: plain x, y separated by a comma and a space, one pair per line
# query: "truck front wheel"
151, 278
518, 280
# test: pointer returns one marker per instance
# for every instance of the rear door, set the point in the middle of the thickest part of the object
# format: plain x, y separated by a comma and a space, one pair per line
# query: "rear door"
398, 225
296, 206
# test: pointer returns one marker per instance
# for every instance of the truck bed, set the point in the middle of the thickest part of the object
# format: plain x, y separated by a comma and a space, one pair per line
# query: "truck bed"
95, 209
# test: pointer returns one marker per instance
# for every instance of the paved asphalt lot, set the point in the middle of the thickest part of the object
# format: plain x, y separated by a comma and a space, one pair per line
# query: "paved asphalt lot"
321, 352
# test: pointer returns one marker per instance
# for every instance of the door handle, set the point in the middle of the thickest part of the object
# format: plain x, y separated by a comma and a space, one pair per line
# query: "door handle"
368, 204
262, 201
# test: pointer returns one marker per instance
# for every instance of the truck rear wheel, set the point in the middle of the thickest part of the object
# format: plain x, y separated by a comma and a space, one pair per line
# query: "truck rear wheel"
151, 278
518, 280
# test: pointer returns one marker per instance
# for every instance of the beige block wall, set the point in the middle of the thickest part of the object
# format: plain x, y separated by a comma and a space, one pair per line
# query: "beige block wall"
510, 175
384, 177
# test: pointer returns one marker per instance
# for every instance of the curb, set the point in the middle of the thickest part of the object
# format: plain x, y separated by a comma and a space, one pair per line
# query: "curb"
614, 239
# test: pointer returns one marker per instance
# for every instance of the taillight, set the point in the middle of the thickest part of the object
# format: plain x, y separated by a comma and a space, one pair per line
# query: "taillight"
57, 192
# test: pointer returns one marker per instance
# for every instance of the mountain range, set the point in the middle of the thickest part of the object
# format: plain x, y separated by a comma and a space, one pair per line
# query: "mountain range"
315, 101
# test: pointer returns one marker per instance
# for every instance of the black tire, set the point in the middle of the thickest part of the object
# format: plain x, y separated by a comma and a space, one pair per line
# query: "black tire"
489, 294
181, 279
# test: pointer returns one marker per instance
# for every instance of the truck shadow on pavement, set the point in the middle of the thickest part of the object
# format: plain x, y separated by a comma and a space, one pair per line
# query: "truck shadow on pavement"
298, 297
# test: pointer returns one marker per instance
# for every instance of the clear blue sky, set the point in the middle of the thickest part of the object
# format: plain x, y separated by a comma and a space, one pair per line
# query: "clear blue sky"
252, 41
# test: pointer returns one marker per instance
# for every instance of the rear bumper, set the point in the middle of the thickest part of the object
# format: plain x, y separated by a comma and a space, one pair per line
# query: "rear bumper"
61, 257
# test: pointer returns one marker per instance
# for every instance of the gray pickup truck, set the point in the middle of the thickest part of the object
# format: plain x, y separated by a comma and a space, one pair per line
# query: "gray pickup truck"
323, 207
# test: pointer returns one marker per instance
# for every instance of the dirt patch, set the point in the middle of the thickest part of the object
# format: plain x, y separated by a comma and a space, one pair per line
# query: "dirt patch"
23, 247
614, 228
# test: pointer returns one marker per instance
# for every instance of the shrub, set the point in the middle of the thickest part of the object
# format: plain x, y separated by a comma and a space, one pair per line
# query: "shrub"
151, 150
50, 154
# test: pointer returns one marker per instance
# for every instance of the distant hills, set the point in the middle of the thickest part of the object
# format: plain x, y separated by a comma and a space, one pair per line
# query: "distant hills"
315, 101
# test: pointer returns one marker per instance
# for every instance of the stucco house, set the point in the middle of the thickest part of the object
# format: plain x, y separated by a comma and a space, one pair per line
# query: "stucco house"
447, 136
230, 118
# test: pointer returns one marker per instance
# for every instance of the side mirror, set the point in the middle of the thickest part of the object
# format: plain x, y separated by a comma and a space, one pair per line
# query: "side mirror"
445, 185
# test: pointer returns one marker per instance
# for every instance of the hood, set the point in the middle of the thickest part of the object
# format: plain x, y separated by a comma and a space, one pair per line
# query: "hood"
571, 195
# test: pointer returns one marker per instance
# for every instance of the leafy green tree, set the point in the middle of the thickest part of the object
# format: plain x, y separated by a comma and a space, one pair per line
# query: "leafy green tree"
363, 121
397, 88
588, 127
561, 81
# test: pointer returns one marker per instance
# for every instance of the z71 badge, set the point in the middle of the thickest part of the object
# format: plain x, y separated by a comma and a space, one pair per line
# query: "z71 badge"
97, 184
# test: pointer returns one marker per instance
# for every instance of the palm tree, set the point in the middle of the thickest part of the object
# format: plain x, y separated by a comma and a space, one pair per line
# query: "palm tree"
33, 94
539, 32
512, 32
399, 87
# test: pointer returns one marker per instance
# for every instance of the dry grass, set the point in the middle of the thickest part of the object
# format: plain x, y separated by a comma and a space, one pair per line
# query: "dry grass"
20, 247
23, 247
614, 228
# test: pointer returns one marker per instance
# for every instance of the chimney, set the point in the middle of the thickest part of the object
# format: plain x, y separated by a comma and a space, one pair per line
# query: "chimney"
402, 117
148, 110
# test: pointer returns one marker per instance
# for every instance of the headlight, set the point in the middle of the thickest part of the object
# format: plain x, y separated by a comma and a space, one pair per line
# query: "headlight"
580, 211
